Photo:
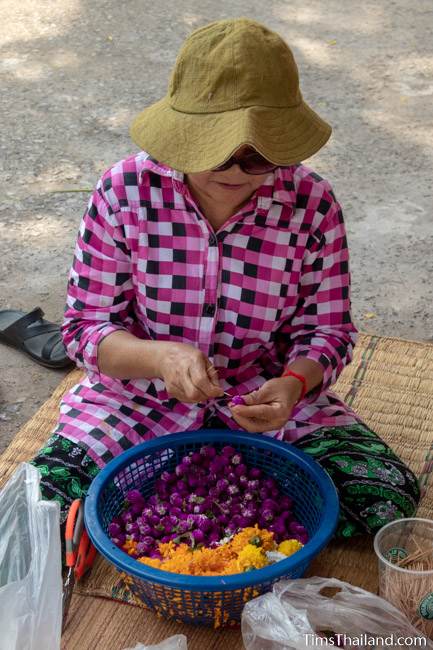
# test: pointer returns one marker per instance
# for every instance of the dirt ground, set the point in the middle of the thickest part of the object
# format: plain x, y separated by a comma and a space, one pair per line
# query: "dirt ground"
75, 72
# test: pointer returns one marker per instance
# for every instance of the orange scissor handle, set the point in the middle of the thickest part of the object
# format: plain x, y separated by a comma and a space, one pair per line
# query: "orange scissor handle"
74, 530
85, 556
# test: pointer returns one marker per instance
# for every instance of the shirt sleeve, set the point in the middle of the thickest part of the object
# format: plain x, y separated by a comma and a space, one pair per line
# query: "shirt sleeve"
100, 292
321, 328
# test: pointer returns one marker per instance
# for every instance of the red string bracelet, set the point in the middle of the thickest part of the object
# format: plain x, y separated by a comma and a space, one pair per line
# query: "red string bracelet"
290, 373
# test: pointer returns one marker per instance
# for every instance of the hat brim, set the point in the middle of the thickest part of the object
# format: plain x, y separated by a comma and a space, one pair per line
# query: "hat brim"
197, 142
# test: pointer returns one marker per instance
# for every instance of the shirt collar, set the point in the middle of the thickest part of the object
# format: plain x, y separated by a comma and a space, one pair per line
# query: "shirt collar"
278, 186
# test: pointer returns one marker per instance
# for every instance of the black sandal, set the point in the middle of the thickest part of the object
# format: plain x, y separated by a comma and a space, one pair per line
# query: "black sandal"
37, 337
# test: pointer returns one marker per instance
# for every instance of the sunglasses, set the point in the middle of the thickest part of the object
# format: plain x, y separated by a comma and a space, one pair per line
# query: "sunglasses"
252, 163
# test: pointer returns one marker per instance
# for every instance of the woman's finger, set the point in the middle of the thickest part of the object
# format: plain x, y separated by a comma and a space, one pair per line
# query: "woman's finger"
259, 411
202, 382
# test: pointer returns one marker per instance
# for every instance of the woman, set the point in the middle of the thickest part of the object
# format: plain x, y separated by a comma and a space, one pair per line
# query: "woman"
211, 264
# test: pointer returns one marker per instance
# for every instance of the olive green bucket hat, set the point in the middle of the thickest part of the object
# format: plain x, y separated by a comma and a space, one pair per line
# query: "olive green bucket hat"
235, 82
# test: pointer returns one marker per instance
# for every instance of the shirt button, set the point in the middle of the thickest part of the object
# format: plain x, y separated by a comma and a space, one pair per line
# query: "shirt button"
209, 310
212, 239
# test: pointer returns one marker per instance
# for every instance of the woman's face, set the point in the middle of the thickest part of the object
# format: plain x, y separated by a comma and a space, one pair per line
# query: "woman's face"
231, 186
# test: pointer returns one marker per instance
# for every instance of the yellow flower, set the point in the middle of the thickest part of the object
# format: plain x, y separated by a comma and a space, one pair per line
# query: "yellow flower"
251, 557
289, 546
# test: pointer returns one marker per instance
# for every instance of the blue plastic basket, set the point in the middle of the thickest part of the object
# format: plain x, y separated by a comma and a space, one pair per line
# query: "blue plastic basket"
212, 601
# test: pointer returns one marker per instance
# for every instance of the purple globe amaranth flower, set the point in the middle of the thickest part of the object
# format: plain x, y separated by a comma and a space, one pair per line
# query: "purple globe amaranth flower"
237, 459
241, 470
286, 503
176, 500
126, 517
222, 484
255, 473
253, 485
180, 470
134, 496
243, 481
145, 529
208, 452
119, 539
198, 536
270, 504
269, 484
204, 523
132, 527
193, 481
228, 451
167, 477
183, 526
267, 515
114, 529
160, 510
249, 512
196, 458
181, 487
286, 515
296, 527
248, 496
232, 490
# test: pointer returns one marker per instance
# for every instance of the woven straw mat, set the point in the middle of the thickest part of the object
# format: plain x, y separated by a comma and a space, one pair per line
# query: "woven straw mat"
390, 385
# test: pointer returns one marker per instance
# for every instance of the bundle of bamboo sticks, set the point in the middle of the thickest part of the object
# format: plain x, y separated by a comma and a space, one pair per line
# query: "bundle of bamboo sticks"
411, 592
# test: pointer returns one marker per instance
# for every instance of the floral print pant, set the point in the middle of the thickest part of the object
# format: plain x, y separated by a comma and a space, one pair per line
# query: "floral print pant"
374, 485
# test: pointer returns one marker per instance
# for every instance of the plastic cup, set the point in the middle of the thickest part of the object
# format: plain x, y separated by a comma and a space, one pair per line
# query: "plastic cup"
404, 549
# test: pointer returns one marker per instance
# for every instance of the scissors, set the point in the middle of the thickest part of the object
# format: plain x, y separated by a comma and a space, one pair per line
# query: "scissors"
80, 553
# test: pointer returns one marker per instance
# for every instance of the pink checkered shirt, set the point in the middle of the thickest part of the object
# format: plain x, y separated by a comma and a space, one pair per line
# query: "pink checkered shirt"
272, 284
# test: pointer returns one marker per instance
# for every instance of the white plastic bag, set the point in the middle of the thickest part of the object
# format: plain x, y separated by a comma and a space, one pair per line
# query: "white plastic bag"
30, 565
176, 642
295, 614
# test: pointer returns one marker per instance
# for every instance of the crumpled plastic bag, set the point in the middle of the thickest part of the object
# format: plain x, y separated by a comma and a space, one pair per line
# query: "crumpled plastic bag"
295, 615
30, 565
176, 642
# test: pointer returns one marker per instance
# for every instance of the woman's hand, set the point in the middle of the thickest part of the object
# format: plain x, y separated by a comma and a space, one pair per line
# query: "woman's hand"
269, 407
187, 373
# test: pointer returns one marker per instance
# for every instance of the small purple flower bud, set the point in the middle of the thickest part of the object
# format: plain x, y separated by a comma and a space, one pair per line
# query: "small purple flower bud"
270, 504
237, 459
228, 451
119, 540
238, 400
286, 502
196, 458
222, 484
114, 530
198, 536
160, 510
208, 452
145, 529
255, 473
267, 515
241, 470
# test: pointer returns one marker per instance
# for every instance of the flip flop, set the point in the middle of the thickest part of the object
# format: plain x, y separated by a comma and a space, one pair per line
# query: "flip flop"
37, 337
